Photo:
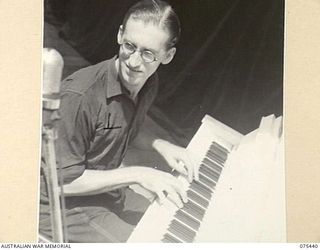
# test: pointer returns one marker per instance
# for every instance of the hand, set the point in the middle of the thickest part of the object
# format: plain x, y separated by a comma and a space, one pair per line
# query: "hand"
178, 158
162, 184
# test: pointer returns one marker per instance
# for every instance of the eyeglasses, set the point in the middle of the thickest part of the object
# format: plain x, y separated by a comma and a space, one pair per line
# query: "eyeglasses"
146, 55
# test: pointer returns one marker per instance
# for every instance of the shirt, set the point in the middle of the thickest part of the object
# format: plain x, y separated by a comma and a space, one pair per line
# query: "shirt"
98, 119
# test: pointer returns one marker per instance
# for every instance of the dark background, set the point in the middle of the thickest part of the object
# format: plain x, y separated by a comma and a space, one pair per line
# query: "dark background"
229, 62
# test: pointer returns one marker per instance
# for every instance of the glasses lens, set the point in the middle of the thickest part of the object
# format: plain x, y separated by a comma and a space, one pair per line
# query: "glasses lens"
129, 48
148, 56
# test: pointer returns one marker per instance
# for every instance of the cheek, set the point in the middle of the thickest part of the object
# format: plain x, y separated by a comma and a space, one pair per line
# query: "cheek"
123, 56
151, 68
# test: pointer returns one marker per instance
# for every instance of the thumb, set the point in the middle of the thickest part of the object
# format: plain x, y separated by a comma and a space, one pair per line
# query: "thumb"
161, 197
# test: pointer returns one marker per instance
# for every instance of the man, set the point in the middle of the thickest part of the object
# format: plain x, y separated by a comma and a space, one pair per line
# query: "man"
102, 107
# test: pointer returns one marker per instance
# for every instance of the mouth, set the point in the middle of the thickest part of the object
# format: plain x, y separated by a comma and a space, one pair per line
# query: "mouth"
133, 70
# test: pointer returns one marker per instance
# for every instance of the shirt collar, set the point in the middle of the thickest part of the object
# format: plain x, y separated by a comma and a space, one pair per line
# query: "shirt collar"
113, 84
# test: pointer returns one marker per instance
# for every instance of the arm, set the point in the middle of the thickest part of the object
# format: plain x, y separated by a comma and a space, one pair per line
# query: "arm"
93, 182
177, 157
75, 130
100, 181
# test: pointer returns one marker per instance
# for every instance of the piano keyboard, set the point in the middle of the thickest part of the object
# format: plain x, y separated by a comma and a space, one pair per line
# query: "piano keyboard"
210, 153
187, 220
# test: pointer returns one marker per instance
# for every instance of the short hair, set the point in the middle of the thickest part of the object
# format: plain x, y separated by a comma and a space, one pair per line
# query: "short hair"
159, 13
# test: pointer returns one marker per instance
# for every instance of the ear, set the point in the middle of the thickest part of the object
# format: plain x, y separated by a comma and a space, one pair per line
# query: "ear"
120, 33
169, 55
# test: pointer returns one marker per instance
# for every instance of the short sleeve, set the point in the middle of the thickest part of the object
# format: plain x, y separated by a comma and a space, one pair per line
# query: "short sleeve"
74, 133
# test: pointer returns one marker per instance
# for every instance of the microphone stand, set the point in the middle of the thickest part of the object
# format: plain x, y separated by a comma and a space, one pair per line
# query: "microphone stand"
49, 136
53, 64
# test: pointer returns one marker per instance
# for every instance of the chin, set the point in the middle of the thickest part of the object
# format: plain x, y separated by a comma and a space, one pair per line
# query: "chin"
129, 80
132, 76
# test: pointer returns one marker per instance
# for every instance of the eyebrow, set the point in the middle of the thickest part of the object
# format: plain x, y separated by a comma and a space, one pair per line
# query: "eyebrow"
143, 48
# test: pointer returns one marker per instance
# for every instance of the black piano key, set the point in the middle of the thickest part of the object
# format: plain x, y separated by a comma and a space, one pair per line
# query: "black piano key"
201, 189
209, 172
197, 198
214, 156
181, 231
187, 219
168, 238
219, 149
194, 210
210, 159
206, 181
188, 232
201, 211
174, 231
215, 148
199, 194
212, 165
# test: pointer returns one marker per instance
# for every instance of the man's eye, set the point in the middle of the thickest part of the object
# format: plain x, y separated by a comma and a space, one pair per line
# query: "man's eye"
148, 55
129, 46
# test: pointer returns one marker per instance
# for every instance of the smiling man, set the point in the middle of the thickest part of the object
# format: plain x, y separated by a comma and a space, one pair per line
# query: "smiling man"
102, 108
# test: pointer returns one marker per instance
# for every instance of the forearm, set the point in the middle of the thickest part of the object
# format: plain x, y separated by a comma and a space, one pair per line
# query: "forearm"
100, 181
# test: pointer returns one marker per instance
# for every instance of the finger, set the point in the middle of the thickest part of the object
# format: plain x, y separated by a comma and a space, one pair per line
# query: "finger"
161, 196
177, 184
179, 188
181, 168
178, 167
184, 196
193, 170
188, 170
196, 173
174, 197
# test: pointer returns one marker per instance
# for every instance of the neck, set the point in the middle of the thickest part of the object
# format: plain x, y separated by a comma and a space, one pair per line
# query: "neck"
134, 96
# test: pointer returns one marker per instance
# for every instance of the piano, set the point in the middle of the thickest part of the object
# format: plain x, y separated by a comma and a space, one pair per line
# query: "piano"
240, 193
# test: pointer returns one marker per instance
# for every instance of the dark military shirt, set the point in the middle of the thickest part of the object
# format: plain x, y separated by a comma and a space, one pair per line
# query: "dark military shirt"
98, 118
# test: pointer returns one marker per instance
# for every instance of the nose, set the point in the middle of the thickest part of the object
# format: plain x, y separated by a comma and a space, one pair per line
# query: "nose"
135, 60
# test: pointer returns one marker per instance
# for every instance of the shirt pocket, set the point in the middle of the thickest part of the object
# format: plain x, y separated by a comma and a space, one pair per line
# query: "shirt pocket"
112, 127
